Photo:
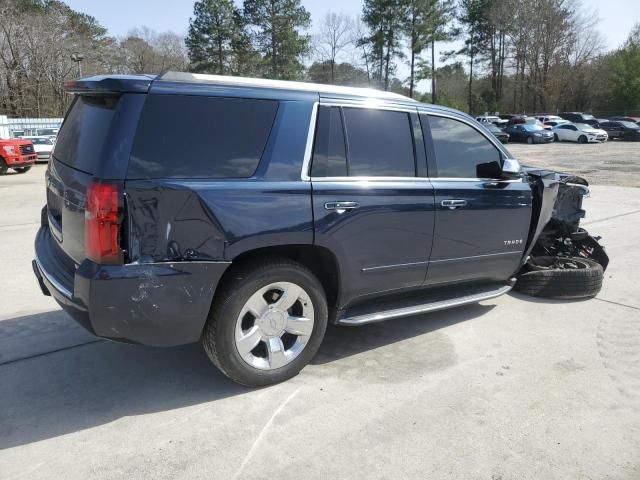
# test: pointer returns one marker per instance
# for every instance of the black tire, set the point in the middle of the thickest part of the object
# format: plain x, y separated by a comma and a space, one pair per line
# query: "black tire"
556, 138
582, 139
543, 278
218, 337
530, 140
3, 166
22, 169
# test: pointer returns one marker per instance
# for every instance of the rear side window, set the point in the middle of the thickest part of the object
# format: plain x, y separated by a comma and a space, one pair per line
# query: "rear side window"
329, 153
380, 143
200, 137
83, 134
462, 151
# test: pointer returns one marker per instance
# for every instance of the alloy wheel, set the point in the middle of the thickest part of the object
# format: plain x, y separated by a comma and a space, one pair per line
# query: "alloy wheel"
274, 325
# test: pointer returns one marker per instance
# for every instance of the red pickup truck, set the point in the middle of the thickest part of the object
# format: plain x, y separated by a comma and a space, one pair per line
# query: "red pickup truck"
16, 153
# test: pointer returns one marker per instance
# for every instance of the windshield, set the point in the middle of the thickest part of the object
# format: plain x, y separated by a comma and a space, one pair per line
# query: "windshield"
586, 116
531, 128
631, 125
583, 126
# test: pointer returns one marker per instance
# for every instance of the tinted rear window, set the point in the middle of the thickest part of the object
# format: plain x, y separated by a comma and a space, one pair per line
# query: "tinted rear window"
84, 132
380, 143
200, 137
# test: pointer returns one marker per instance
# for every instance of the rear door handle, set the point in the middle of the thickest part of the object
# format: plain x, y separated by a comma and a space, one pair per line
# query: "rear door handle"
341, 207
453, 204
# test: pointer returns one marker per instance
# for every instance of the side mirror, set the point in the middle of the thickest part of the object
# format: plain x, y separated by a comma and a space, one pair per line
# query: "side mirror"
511, 168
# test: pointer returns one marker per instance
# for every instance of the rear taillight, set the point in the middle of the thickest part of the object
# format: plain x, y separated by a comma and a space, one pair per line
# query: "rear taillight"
101, 224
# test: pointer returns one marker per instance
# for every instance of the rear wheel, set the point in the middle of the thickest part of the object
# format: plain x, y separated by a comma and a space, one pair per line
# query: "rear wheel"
266, 323
560, 277
582, 139
22, 169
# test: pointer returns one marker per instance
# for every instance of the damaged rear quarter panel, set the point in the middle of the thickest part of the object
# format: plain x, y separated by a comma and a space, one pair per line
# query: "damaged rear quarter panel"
175, 220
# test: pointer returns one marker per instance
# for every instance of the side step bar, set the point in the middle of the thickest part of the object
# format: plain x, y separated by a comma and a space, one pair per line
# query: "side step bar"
422, 308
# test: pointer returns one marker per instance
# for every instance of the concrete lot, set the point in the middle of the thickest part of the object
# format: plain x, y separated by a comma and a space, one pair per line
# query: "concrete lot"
610, 163
513, 388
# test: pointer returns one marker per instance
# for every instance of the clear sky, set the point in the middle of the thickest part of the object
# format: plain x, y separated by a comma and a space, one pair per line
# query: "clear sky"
617, 17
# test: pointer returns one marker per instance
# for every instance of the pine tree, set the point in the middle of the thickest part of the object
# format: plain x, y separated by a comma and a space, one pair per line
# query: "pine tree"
276, 35
385, 21
215, 37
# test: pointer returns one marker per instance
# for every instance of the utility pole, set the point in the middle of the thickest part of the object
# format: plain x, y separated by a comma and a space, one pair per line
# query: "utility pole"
78, 57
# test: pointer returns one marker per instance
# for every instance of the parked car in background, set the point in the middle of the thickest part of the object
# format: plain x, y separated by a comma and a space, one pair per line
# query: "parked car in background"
43, 146
635, 120
549, 118
535, 121
16, 153
555, 123
579, 117
579, 132
492, 119
529, 133
621, 130
497, 132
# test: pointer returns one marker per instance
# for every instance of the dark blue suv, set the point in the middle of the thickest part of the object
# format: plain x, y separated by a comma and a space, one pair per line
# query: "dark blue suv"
248, 214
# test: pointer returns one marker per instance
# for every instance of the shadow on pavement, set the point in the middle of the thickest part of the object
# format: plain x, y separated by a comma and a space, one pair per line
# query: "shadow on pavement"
83, 383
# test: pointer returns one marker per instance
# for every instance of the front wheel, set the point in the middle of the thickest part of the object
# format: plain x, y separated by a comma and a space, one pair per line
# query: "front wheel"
582, 139
267, 322
529, 140
556, 138
3, 167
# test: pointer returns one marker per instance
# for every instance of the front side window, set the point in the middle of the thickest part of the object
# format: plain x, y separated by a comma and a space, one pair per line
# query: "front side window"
462, 151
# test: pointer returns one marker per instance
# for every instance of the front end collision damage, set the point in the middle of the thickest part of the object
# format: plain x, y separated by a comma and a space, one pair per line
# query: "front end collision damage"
555, 225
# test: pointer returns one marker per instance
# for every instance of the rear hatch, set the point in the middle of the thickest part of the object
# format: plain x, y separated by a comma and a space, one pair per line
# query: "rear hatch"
92, 150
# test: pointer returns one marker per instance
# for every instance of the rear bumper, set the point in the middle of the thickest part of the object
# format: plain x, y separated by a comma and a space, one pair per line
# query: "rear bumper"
156, 304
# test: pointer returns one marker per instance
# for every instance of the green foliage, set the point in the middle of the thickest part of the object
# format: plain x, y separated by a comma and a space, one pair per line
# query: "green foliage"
275, 32
215, 32
625, 70
344, 74
385, 21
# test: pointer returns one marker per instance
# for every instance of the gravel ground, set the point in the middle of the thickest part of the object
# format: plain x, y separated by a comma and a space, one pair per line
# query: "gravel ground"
611, 163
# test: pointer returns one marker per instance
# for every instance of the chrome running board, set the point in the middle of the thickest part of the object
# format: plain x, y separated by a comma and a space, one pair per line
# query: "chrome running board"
422, 308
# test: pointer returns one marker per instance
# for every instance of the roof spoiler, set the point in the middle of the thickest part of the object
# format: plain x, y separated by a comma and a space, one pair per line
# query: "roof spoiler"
109, 84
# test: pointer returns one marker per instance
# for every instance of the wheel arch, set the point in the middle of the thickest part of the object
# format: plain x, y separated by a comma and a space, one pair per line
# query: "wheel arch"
320, 260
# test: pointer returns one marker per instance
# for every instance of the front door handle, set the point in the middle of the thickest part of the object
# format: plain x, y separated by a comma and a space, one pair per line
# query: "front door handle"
453, 204
341, 207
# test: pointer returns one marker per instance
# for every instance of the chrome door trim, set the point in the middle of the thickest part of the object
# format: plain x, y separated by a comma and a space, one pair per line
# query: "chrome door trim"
389, 267
476, 256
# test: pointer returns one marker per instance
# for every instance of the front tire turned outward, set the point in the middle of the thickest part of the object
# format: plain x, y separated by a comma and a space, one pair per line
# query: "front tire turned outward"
560, 277
267, 322
582, 139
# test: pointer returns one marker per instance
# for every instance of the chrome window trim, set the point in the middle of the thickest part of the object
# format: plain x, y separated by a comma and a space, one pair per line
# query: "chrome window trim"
308, 149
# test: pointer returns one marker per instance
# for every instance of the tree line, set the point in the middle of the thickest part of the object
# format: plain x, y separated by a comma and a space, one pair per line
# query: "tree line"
511, 55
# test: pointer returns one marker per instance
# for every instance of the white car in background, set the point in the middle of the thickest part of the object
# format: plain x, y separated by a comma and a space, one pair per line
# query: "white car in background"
550, 118
42, 145
579, 132
494, 119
